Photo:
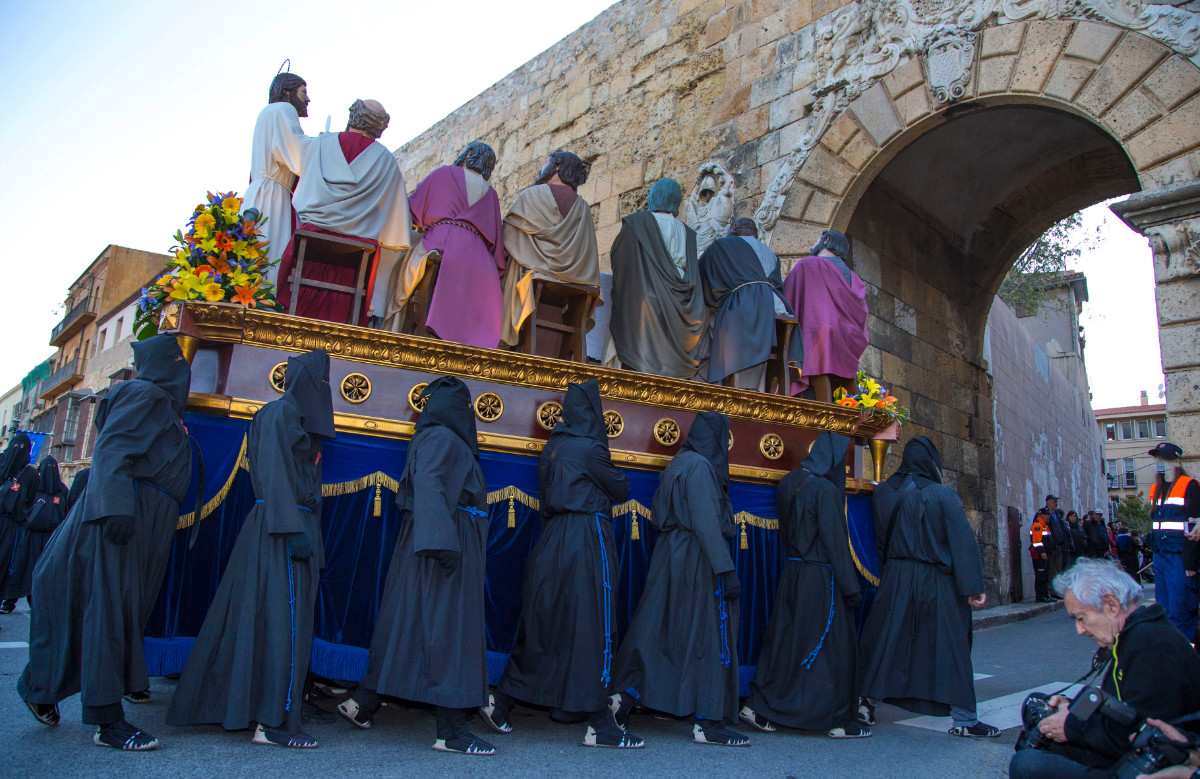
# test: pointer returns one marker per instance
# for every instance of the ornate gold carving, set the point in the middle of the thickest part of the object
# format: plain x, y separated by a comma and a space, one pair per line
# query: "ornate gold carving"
771, 446
549, 414
278, 377
666, 431
214, 322
355, 388
614, 424
415, 401
489, 407
168, 318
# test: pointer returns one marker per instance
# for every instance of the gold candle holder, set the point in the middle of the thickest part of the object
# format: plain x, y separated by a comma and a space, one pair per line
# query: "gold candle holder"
879, 450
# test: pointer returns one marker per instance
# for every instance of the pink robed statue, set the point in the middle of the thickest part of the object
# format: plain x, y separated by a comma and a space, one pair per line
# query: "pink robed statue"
830, 301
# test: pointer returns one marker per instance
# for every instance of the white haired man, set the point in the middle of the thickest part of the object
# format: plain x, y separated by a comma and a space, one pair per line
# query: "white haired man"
1152, 668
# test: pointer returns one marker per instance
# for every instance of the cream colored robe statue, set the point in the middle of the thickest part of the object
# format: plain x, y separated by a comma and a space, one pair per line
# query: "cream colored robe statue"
544, 244
275, 162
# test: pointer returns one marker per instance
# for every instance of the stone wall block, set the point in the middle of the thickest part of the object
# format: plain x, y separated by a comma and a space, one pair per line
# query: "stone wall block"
1068, 78
1005, 39
905, 318
1043, 42
1183, 391
1184, 427
1174, 81
1134, 112
1168, 137
794, 239
1092, 41
628, 178
753, 124
1179, 302
796, 202
1178, 344
995, 73
859, 151
654, 41
771, 87
716, 30
840, 132
875, 113
825, 171
820, 208
787, 109
913, 105
1135, 56
905, 77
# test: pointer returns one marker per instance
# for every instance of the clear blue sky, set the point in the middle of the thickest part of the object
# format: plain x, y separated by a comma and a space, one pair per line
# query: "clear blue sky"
120, 115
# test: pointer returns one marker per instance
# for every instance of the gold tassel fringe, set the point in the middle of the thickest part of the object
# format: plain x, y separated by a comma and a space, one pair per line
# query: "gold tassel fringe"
378, 501
512, 513
745, 543
635, 534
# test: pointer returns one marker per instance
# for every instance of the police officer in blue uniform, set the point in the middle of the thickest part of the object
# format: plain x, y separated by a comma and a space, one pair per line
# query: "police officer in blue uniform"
1175, 507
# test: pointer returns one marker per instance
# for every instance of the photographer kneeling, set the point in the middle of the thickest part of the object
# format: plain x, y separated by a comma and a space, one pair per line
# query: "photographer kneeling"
1150, 668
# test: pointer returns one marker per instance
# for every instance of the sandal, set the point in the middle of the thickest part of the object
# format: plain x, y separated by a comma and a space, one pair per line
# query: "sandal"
495, 716
619, 739
356, 714
45, 713
849, 731
978, 730
752, 718
278, 737
125, 737
718, 735
464, 745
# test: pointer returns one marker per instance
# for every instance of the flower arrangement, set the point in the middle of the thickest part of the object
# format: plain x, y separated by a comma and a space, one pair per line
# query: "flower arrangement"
871, 395
221, 257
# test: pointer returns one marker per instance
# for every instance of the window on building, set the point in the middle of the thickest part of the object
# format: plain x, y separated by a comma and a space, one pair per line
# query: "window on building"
1130, 473
1110, 431
117, 333
100, 340
1143, 428
1160, 428
1126, 430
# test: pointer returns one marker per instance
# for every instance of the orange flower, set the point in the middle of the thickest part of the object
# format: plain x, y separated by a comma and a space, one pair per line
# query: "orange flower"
890, 399
219, 265
224, 242
848, 402
245, 296
204, 269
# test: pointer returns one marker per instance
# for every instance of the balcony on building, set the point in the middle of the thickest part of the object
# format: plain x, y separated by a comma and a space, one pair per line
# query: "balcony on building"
63, 379
80, 315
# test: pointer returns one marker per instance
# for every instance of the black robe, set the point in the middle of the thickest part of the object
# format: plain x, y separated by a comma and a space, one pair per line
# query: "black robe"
657, 317
680, 652
90, 640
915, 649
567, 634
430, 642
47, 513
251, 658
78, 485
743, 297
13, 533
806, 676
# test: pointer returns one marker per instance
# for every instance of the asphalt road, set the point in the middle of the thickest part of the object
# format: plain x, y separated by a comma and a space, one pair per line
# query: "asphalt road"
1015, 657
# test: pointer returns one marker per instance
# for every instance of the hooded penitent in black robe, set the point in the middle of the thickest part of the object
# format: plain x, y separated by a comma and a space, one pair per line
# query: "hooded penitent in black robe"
47, 513
744, 296
680, 652
430, 641
806, 675
251, 658
657, 316
18, 482
915, 649
102, 592
78, 485
567, 633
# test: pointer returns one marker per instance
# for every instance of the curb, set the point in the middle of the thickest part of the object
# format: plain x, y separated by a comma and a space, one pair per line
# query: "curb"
982, 620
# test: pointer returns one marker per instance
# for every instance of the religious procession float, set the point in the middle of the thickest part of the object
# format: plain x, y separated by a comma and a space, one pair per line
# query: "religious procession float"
215, 298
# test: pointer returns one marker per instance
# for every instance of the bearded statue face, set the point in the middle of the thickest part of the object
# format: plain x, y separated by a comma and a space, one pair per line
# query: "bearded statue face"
548, 170
299, 99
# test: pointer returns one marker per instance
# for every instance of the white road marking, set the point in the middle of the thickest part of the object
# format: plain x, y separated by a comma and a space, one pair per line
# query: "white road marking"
1003, 712
14, 644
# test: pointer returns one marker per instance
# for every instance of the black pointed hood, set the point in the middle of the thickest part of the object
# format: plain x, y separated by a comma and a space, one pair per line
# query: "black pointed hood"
448, 404
827, 458
15, 456
922, 461
307, 384
582, 414
709, 438
160, 361
48, 478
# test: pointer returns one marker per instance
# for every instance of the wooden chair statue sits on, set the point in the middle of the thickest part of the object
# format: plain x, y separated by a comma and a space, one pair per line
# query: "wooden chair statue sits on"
339, 252
779, 372
560, 320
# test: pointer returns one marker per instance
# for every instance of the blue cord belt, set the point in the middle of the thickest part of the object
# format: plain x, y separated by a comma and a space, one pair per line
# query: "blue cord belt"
808, 661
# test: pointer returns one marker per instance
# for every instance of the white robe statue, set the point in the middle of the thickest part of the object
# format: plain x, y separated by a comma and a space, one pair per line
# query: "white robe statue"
275, 162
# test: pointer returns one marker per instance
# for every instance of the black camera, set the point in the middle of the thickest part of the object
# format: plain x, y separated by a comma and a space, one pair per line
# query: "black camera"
1152, 750
1035, 709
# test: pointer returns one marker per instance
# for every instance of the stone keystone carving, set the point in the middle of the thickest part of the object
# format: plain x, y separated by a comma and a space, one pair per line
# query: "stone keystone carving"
949, 59
861, 43
710, 206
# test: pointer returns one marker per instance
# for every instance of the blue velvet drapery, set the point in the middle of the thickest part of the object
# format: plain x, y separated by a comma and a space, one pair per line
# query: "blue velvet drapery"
360, 524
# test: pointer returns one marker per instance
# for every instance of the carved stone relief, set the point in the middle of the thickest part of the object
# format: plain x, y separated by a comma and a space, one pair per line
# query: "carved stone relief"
710, 206
861, 43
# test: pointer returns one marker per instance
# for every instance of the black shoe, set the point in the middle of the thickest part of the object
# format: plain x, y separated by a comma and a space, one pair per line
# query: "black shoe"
866, 712
612, 738
140, 697
495, 714
45, 713
125, 737
355, 713
620, 705
718, 734
978, 730
312, 714
277, 737
464, 745
755, 720
853, 730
